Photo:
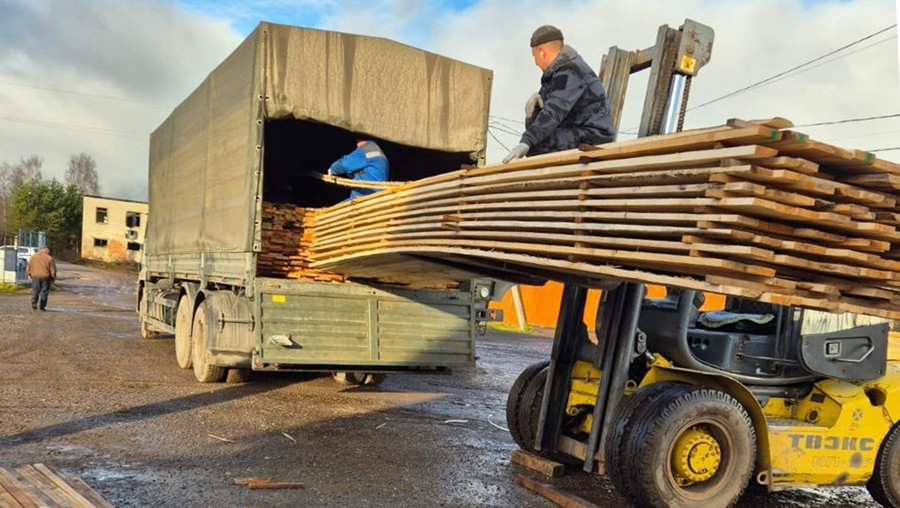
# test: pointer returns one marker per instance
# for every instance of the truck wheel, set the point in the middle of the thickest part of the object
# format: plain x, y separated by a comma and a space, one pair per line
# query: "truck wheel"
884, 485
238, 376
183, 321
618, 460
693, 448
374, 379
358, 378
515, 402
203, 370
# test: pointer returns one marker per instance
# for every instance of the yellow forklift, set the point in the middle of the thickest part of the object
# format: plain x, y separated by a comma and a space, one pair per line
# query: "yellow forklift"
682, 408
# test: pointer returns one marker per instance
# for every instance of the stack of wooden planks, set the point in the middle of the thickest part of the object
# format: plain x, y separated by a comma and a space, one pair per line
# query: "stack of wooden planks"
37, 485
284, 245
748, 209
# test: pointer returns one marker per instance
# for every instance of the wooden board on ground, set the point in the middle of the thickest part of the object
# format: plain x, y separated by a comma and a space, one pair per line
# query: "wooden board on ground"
36, 485
561, 498
546, 467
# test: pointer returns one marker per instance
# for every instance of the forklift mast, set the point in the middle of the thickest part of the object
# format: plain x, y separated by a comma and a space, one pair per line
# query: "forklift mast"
676, 57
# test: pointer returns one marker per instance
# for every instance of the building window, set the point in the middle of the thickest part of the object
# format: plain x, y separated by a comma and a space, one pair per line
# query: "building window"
101, 216
132, 219
99, 242
134, 246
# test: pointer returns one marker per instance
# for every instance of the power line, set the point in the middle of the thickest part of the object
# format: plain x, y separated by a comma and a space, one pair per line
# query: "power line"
73, 92
507, 119
503, 129
491, 134
76, 128
850, 120
826, 62
780, 74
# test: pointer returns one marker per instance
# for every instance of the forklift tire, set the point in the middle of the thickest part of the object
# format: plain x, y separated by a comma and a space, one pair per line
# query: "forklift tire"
627, 415
183, 321
692, 420
203, 370
358, 378
884, 485
514, 403
530, 408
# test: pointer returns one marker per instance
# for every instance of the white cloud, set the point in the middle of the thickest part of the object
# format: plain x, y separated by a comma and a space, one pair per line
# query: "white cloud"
150, 53
156, 52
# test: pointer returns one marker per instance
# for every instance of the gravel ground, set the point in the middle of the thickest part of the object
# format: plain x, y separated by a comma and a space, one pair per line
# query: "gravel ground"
81, 392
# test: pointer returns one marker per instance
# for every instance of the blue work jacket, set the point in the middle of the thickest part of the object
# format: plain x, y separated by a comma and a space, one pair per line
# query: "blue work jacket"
367, 162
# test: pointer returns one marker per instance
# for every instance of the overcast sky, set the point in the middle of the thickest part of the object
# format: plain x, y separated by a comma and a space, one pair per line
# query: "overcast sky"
97, 76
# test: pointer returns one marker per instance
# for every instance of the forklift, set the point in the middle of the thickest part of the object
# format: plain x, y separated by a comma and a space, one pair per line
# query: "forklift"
683, 408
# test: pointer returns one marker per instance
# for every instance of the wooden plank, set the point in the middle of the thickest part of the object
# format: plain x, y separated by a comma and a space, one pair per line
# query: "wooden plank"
76, 498
48, 492
747, 189
781, 162
349, 182
685, 140
538, 464
880, 181
831, 157
6, 497
19, 491
771, 209
553, 494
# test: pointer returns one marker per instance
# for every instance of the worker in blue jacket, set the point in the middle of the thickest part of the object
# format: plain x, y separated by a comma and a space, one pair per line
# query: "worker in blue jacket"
570, 108
367, 162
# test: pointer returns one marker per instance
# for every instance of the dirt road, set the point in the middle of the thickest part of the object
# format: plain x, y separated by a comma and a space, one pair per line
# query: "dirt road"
82, 392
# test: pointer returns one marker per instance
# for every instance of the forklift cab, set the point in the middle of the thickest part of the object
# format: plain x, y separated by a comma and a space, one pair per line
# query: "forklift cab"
758, 344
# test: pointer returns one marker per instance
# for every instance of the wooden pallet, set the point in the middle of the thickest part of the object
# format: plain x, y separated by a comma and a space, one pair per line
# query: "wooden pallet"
36, 485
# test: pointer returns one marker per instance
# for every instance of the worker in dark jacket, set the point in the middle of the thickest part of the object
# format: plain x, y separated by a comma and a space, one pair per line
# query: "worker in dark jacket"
367, 162
42, 271
570, 108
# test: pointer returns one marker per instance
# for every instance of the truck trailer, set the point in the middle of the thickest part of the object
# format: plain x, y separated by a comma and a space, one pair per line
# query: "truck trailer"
289, 100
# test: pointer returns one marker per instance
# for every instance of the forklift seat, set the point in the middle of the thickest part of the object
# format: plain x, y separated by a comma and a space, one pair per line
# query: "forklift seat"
767, 359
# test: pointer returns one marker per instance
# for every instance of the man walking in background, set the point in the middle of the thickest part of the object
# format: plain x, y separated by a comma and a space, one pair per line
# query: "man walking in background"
42, 271
570, 108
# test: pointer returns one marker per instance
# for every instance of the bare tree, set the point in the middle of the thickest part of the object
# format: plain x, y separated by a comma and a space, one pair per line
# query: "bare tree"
28, 168
82, 173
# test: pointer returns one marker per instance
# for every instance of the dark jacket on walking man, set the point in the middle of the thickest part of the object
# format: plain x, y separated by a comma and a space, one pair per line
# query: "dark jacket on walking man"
42, 271
570, 108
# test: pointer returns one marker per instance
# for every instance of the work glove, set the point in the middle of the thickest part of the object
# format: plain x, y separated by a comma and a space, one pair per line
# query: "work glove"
517, 152
534, 103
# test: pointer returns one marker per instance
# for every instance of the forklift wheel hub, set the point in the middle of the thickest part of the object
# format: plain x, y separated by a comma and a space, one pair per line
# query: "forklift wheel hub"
695, 456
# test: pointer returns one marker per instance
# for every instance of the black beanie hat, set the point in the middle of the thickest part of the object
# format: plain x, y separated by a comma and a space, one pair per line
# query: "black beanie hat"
544, 34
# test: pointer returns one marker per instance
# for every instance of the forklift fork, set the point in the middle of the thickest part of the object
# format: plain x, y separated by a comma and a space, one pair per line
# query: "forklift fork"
616, 328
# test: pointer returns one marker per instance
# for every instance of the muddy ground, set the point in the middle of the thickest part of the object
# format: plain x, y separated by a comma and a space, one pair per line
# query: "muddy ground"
80, 391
